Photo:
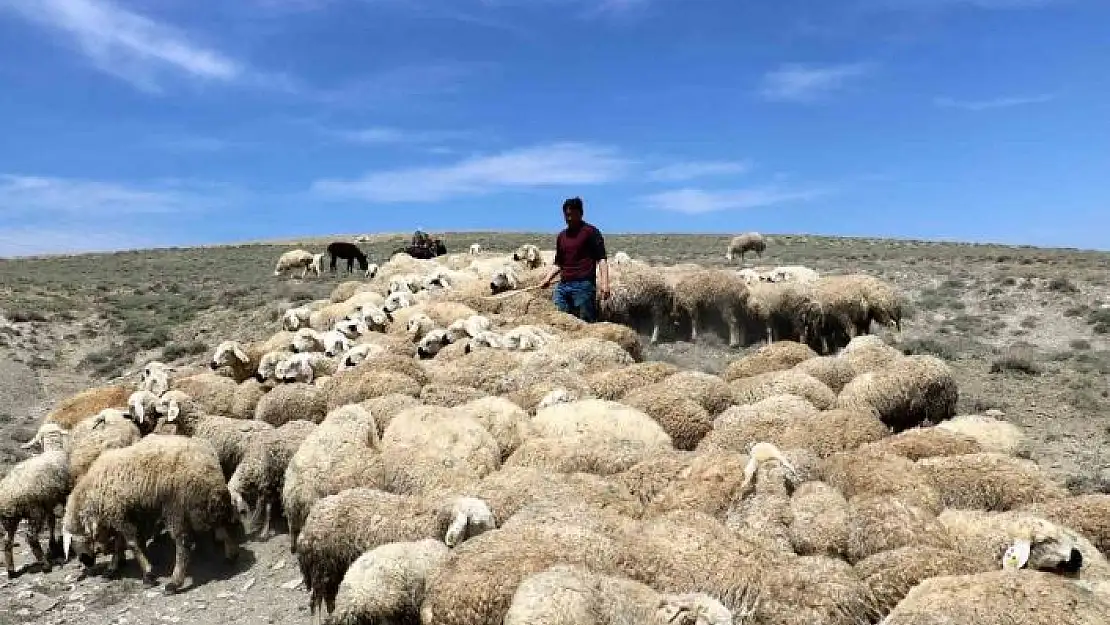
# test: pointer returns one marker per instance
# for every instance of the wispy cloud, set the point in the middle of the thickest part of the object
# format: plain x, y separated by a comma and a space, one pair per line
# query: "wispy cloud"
806, 83
565, 163
402, 84
125, 44
994, 103
679, 172
700, 202
386, 135
91, 199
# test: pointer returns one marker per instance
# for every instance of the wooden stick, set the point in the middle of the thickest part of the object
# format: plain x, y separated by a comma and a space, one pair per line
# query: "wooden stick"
508, 293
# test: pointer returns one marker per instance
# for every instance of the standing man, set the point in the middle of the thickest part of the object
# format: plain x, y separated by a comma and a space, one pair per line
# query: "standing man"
580, 258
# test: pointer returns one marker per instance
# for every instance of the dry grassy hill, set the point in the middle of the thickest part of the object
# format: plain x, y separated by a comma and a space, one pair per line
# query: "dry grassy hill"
1026, 329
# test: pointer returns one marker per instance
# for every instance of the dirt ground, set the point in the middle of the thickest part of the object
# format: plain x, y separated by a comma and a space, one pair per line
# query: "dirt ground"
1027, 331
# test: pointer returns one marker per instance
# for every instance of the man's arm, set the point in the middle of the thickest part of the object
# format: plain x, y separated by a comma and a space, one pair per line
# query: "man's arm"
597, 246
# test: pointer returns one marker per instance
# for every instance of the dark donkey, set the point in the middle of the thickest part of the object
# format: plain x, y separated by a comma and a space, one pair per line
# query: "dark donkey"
348, 252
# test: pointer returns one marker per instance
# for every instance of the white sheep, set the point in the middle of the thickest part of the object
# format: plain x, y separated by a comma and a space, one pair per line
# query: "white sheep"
335, 343
747, 242
419, 325
504, 279
527, 338
372, 271
295, 318
468, 328
359, 353
475, 249
529, 256
305, 367
155, 377
31, 490
431, 343
397, 301
621, 258
386, 584
792, 273
300, 258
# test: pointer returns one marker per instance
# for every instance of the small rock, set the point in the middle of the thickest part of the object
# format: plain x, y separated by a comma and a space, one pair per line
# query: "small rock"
247, 586
995, 413
291, 584
280, 564
224, 595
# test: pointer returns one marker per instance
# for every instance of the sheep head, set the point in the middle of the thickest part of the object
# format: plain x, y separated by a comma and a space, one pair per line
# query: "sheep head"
335, 343
761, 453
397, 301
229, 354
1042, 546
291, 320
142, 406
267, 365
692, 609
359, 353
432, 342
295, 369
351, 327
418, 326
503, 279
307, 340
468, 517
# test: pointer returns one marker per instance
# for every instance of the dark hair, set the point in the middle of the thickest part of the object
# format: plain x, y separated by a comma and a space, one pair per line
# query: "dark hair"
574, 203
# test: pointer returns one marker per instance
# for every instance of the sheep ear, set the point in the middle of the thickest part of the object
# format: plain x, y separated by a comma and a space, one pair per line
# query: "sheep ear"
67, 544
31, 443
455, 532
240, 354
1016, 556
172, 411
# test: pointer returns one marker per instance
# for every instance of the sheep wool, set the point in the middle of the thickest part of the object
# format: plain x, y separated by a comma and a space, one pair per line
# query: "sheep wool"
777, 356
819, 526
834, 372
387, 583
928, 442
986, 481
758, 387
30, 491
682, 418
93, 436
69, 412
449, 396
892, 574
511, 489
862, 473
993, 435
292, 402
613, 384
1087, 514
908, 392
704, 481
881, 523
256, 484
428, 448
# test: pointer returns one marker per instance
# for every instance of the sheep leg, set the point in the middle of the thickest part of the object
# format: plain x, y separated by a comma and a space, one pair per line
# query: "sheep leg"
180, 562
53, 545
119, 554
733, 331
130, 536
231, 548
693, 325
770, 335
267, 511
34, 528
10, 527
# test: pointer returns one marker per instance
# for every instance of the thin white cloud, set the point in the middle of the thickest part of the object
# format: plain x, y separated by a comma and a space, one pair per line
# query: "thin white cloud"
794, 82
32, 241
679, 172
400, 84
125, 44
565, 163
701, 202
994, 103
385, 135
91, 199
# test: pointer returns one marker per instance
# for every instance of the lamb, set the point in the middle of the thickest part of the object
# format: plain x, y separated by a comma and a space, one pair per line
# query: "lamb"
31, 490
300, 258
573, 595
712, 291
908, 392
343, 526
176, 478
429, 448
747, 242
342, 452
256, 484
69, 412
386, 584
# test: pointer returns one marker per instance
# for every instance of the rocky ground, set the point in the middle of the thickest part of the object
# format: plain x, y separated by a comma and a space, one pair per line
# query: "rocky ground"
1027, 331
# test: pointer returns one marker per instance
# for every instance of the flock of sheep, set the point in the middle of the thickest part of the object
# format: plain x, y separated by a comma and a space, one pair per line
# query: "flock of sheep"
446, 448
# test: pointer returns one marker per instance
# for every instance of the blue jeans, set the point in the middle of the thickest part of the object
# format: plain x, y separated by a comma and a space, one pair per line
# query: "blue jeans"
577, 297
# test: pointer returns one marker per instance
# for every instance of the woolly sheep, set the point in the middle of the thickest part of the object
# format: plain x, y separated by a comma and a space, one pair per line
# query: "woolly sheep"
638, 294
868, 352
267, 365
305, 367
999, 598
819, 525
387, 583
176, 478
862, 473
572, 595
237, 359
756, 388
468, 327
787, 310
227, 436
992, 435
881, 523
31, 490
503, 419
622, 335
529, 256
300, 258
1087, 514
778, 356
682, 418
475, 249
792, 273
397, 301
110, 429
155, 377
989, 481
892, 574
292, 402
432, 342
621, 258
343, 452
256, 484
73, 410
908, 392
429, 448
850, 304
613, 384
832, 371
926, 442
214, 393
366, 381
747, 242
721, 294
296, 318
340, 527
448, 395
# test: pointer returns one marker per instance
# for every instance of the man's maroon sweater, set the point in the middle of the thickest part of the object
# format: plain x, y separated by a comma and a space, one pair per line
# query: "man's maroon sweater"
578, 251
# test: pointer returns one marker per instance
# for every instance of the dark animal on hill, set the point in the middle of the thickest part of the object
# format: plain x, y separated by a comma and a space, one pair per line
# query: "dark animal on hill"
349, 252
433, 248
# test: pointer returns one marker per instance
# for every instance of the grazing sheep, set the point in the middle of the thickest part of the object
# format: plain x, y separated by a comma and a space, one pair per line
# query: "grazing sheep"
31, 490
850, 304
429, 448
175, 479
387, 583
1000, 598
906, 393
229, 437
300, 258
573, 595
256, 484
341, 527
744, 243
69, 412
637, 294
343, 452
348, 252
778, 356
786, 310
988, 481
721, 294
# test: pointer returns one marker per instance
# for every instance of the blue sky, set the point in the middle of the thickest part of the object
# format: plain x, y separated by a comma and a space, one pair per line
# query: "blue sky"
171, 122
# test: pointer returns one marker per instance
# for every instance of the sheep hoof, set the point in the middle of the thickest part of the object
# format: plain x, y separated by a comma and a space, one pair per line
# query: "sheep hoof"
113, 574
14, 574
149, 580
171, 589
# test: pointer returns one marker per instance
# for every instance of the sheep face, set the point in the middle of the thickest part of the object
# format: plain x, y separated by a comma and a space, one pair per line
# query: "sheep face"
1053, 552
529, 255
307, 340
524, 339
692, 609
503, 280
228, 354
432, 342
419, 325
469, 518
142, 406
293, 319
557, 396
371, 271
294, 370
375, 317
267, 365
402, 284
335, 343
397, 301
486, 339
359, 353
351, 328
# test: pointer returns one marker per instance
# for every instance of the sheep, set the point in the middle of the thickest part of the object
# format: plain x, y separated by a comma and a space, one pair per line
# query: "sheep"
296, 318
756, 388
227, 436
787, 310
926, 442
256, 484
712, 291
71, 411
747, 242
418, 326
999, 598
529, 256
267, 365
883, 522
155, 377
621, 258
864, 473
778, 356
386, 584
819, 524
449, 395
292, 402
989, 481
892, 574
1087, 514
176, 478
908, 392
992, 435
635, 294
475, 249
572, 595
468, 327
343, 452
792, 273
31, 490
214, 393
503, 419
613, 384
428, 447
832, 371
305, 367
682, 418
242, 364
851, 302
397, 301
366, 381
432, 342
300, 258
343, 526
868, 352
371, 271
109, 429
142, 410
